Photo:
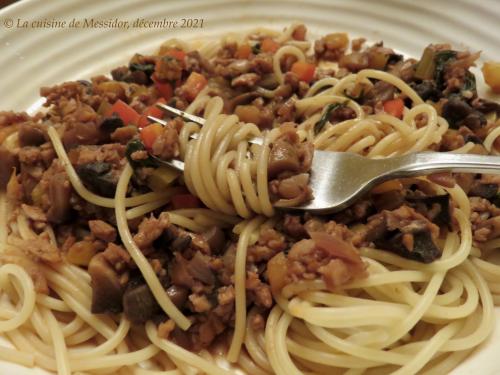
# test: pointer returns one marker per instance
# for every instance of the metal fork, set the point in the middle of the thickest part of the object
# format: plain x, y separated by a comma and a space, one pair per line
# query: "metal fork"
196, 119
339, 178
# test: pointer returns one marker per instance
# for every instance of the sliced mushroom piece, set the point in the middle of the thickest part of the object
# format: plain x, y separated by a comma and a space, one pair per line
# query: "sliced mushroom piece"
216, 239
417, 246
199, 268
181, 243
439, 205
166, 238
179, 272
107, 291
9, 162
178, 295
98, 177
110, 124
389, 200
458, 112
139, 304
486, 106
354, 61
59, 195
380, 92
282, 157
30, 135
487, 191
294, 187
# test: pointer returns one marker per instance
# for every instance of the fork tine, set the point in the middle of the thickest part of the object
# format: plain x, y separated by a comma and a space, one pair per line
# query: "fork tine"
186, 116
164, 123
173, 163
158, 120
254, 140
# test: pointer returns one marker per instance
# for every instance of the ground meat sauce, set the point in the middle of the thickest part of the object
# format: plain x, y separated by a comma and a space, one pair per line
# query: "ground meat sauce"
97, 121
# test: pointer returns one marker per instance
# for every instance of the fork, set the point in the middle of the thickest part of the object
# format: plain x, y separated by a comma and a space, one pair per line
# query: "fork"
338, 179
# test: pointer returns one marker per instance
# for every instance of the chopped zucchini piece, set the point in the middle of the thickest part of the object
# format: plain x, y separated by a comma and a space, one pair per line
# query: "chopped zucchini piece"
426, 66
162, 177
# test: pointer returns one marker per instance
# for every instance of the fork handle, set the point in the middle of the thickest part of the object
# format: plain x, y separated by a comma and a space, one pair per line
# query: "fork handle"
433, 162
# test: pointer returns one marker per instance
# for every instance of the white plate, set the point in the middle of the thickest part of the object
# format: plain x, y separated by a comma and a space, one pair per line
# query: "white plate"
34, 57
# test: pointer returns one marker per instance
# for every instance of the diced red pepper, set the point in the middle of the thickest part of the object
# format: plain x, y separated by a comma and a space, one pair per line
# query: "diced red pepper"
194, 84
304, 71
164, 88
394, 107
243, 51
151, 111
125, 112
269, 45
143, 121
177, 53
150, 133
185, 201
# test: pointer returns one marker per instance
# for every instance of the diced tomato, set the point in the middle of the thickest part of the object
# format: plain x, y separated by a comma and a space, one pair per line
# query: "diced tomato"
151, 111
304, 70
154, 110
177, 53
125, 112
243, 51
394, 107
143, 121
150, 133
185, 201
194, 84
269, 45
163, 88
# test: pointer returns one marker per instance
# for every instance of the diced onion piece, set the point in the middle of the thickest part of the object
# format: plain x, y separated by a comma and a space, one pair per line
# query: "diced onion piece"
248, 113
276, 272
80, 253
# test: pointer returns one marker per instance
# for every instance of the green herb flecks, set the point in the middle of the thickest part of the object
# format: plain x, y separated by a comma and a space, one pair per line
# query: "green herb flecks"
137, 145
256, 49
318, 127
442, 59
358, 98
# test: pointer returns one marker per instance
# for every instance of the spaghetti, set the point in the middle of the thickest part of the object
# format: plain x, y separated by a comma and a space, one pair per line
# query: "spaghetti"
112, 265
